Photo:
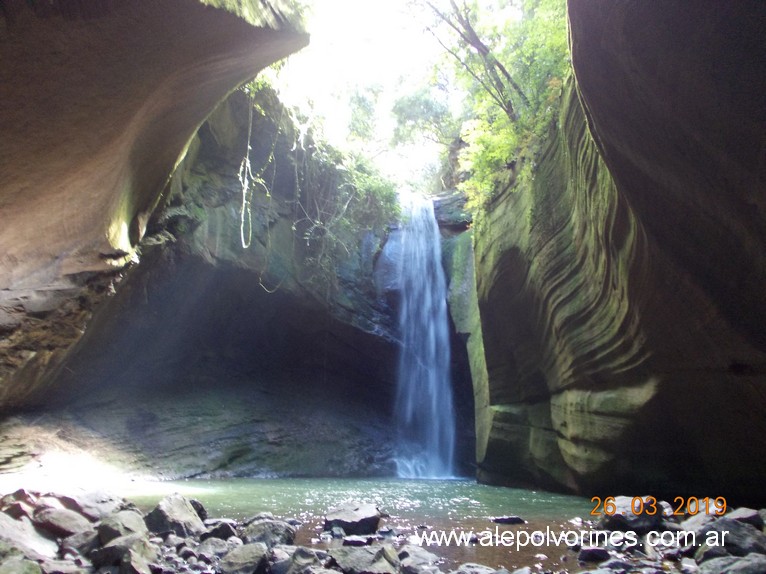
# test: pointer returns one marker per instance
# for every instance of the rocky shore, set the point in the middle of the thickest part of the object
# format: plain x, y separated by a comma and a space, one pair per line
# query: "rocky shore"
102, 534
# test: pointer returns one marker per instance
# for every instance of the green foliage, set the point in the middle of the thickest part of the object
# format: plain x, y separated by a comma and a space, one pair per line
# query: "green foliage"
362, 123
423, 113
511, 59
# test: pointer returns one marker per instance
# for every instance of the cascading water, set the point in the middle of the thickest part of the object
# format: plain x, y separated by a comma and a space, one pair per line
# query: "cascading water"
424, 411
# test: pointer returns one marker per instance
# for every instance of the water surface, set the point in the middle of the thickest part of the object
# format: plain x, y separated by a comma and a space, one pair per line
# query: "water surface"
434, 504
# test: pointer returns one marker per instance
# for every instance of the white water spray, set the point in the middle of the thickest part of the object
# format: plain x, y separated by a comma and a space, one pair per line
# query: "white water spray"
424, 412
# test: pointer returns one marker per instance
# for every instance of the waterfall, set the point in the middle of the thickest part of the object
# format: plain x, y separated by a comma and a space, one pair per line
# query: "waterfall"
424, 413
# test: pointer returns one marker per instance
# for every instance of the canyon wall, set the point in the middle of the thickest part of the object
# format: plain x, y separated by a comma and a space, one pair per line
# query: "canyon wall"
621, 292
98, 101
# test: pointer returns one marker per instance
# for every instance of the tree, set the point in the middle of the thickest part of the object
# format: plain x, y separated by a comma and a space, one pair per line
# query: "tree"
511, 58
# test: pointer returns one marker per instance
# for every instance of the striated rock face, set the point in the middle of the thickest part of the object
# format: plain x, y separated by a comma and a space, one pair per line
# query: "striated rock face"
621, 299
215, 360
97, 103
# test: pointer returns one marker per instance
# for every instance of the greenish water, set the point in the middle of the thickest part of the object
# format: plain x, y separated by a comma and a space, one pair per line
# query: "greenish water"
410, 504
421, 501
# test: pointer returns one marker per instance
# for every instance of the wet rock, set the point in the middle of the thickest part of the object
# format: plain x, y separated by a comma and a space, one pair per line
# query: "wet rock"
222, 530
593, 554
115, 551
18, 509
337, 532
748, 516
199, 509
134, 563
354, 518
356, 540
750, 564
740, 539
625, 520
121, 523
213, 547
175, 514
416, 560
697, 522
93, 505
366, 559
246, 559
22, 534
61, 522
174, 540
63, 567
510, 519
82, 543
270, 532
302, 559
471, 568
19, 565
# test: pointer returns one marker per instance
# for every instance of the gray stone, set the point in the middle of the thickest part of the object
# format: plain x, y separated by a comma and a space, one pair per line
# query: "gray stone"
472, 568
222, 530
81, 543
366, 559
121, 523
748, 516
93, 505
270, 532
415, 559
625, 520
113, 553
134, 563
175, 514
697, 522
356, 540
354, 518
19, 565
61, 522
741, 539
750, 564
213, 546
49, 566
245, 559
509, 519
22, 534
593, 554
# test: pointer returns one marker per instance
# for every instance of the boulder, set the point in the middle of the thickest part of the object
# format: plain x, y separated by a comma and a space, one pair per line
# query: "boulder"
93, 505
414, 559
213, 547
624, 519
366, 559
61, 522
175, 514
19, 565
748, 516
81, 543
121, 523
134, 563
113, 553
741, 539
471, 568
270, 532
511, 519
593, 554
222, 530
22, 534
750, 564
356, 540
247, 559
354, 518
300, 560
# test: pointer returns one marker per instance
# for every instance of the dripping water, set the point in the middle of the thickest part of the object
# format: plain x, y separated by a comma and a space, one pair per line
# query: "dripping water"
424, 412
